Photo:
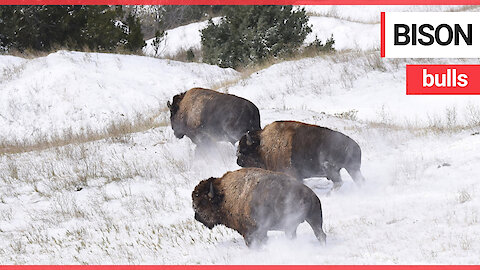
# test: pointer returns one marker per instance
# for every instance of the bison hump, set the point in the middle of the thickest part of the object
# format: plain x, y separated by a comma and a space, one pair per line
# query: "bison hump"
193, 104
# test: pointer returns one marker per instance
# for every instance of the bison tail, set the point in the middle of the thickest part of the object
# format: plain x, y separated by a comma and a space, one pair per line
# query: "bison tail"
315, 219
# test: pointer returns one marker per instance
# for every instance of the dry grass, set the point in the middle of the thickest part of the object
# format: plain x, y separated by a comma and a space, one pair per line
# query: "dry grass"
434, 128
349, 115
117, 130
335, 15
11, 72
246, 72
438, 124
463, 196
31, 53
183, 55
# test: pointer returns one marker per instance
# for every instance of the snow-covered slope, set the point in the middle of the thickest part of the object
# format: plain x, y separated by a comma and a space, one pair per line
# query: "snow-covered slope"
371, 14
77, 92
352, 27
126, 199
363, 82
178, 39
347, 34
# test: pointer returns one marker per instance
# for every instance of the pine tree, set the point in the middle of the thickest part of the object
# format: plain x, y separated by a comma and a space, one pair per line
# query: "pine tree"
252, 34
99, 28
317, 45
135, 40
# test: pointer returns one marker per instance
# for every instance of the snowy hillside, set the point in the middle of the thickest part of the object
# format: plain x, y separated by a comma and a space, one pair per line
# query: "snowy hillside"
353, 27
371, 14
362, 82
178, 39
125, 197
77, 92
347, 34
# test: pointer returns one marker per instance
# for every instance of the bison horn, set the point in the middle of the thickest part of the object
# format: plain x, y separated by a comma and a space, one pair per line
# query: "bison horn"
211, 193
169, 105
249, 139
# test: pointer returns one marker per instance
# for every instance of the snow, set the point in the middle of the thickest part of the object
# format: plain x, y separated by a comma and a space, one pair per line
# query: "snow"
121, 192
353, 27
179, 39
371, 14
347, 35
373, 87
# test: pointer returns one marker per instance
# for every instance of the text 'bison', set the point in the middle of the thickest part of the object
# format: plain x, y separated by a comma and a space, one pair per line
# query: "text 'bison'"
207, 116
301, 150
253, 201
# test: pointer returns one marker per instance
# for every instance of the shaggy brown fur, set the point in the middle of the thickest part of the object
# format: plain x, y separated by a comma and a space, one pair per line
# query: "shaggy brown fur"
206, 116
301, 150
253, 201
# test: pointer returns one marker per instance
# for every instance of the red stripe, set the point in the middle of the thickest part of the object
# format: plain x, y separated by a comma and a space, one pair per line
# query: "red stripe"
244, 267
382, 34
240, 2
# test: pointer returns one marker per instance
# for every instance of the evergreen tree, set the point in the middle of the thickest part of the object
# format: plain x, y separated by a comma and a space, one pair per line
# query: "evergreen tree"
317, 46
134, 36
99, 28
252, 34
190, 55
103, 31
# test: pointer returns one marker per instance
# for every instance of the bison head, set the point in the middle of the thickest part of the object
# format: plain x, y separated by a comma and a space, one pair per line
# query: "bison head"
176, 123
247, 151
206, 203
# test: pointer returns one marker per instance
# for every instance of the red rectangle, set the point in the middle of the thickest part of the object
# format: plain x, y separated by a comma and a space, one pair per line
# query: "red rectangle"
382, 34
443, 79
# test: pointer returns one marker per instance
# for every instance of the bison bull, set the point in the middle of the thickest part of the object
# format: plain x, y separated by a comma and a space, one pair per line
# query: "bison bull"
206, 116
253, 201
301, 150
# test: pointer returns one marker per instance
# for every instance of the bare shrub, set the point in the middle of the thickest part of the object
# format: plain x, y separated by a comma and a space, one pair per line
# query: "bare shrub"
375, 62
349, 115
67, 207
186, 55
11, 72
451, 117
12, 170
473, 115
465, 243
463, 196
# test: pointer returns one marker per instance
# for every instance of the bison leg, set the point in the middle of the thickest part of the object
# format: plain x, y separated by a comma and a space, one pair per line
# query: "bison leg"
333, 174
315, 220
356, 175
202, 140
255, 238
291, 233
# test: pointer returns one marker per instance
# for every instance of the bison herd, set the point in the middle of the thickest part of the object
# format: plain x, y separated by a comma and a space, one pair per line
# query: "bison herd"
267, 193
